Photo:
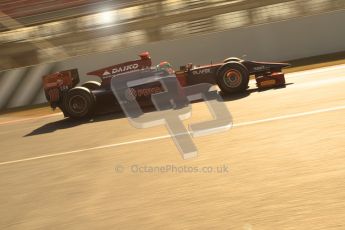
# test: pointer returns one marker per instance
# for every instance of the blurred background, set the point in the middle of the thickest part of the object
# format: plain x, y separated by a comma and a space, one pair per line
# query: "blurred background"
39, 37
41, 31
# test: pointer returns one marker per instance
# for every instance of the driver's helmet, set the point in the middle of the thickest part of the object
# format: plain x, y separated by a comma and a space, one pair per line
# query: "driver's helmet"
165, 66
145, 56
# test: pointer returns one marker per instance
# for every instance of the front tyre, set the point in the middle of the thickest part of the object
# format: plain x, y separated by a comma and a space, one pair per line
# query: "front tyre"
79, 103
232, 59
233, 78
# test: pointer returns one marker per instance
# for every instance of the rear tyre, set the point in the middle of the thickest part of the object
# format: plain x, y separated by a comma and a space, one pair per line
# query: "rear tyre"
233, 78
92, 85
79, 103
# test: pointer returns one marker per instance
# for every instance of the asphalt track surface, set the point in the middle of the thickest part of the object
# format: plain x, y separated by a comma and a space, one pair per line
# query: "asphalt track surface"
284, 166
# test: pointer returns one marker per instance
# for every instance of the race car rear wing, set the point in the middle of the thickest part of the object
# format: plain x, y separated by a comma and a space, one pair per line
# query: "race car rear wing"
55, 84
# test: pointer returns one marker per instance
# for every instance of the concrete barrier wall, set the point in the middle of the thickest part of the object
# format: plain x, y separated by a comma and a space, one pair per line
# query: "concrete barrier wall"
279, 41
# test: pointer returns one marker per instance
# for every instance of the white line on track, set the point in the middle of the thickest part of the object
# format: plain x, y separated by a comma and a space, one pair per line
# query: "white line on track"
304, 73
312, 72
87, 149
289, 116
296, 115
30, 119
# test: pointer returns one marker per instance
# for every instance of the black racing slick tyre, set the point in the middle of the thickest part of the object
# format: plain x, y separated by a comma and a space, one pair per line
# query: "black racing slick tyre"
92, 85
79, 103
233, 77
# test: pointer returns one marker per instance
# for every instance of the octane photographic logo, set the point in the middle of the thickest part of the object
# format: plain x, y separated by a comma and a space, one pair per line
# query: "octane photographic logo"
173, 106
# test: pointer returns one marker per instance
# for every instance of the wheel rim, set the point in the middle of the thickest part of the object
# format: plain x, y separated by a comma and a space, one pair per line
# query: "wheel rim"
78, 104
232, 78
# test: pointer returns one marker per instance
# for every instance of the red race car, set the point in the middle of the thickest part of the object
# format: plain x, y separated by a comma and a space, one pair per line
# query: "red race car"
231, 75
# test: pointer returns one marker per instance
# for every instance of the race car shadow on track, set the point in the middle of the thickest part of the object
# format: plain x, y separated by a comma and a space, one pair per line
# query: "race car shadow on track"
67, 123
70, 123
